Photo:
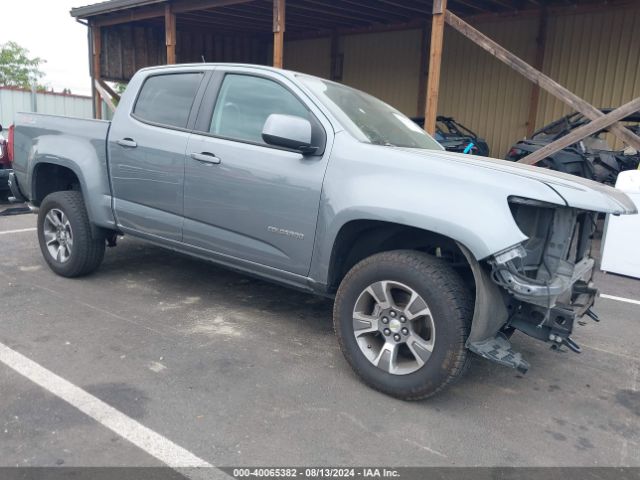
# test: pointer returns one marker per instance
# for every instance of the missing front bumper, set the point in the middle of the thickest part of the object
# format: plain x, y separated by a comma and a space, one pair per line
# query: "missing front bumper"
546, 293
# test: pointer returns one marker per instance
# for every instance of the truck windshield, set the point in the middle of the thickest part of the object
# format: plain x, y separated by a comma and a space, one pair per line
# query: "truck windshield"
368, 119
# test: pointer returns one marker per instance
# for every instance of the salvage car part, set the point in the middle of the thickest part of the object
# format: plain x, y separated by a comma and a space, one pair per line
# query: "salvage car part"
455, 137
590, 158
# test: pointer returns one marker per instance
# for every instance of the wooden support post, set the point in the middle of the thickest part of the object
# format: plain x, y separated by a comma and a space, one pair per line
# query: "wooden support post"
582, 132
435, 61
278, 32
538, 64
170, 33
109, 90
96, 42
539, 78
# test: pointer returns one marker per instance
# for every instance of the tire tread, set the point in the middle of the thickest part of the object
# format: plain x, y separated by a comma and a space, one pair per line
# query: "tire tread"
456, 292
89, 249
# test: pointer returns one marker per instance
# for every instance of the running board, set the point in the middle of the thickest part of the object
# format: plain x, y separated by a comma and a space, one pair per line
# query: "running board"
499, 350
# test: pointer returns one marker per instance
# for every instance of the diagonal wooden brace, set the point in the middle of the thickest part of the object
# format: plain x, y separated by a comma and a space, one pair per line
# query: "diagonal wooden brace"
102, 92
539, 78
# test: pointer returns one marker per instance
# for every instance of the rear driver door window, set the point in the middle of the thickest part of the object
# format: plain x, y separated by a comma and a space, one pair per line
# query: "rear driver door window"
244, 104
166, 100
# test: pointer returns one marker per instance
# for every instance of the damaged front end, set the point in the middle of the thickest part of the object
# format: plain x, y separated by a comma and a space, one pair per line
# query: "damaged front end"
540, 287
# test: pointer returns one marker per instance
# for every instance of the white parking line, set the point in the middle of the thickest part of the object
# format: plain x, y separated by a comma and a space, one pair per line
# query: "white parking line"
619, 299
144, 438
7, 232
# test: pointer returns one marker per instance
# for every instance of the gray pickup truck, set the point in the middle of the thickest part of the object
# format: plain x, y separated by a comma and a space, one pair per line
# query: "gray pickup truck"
429, 255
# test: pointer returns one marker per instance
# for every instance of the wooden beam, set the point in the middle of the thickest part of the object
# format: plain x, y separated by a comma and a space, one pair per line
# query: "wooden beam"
337, 10
192, 5
103, 95
109, 90
156, 11
424, 70
538, 63
278, 32
435, 62
538, 78
414, 24
401, 6
364, 4
129, 16
96, 41
170, 33
583, 132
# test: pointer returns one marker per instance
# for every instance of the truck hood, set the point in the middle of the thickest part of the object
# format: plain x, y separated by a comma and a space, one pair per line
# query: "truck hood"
577, 192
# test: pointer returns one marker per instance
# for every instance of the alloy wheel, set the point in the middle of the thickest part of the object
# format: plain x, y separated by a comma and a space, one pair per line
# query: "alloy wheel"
58, 235
394, 327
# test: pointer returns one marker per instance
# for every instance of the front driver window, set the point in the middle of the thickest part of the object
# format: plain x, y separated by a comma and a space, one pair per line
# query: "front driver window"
244, 104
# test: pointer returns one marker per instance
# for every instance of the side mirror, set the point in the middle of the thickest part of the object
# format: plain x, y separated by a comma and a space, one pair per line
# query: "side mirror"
0, 128
288, 131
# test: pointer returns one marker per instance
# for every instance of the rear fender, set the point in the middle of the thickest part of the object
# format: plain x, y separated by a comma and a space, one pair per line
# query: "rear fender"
80, 156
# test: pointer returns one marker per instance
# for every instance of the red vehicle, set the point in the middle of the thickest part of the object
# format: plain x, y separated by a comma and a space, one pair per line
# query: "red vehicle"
6, 157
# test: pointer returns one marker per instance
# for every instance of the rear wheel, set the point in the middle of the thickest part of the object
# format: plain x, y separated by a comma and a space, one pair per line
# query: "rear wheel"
64, 234
402, 319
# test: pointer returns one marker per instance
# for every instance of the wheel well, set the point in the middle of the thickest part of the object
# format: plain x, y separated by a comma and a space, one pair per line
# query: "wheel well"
362, 238
49, 178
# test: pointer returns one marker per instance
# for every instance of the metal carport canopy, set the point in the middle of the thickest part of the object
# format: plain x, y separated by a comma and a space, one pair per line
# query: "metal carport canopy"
110, 6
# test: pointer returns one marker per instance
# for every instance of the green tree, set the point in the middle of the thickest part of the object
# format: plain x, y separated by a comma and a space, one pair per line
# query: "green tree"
17, 67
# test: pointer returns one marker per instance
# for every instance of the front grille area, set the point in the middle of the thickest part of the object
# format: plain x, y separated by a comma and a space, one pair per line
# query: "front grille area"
558, 236
550, 285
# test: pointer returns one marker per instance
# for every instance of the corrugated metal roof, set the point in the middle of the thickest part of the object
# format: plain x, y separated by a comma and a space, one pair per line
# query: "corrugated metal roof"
110, 6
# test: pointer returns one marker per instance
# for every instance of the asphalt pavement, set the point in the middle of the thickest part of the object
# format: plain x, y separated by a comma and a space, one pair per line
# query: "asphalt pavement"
237, 371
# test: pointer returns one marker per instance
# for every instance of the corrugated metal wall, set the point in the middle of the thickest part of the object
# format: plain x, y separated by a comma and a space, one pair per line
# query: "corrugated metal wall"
595, 54
483, 93
13, 101
128, 48
193, 45
309, 56
386, 65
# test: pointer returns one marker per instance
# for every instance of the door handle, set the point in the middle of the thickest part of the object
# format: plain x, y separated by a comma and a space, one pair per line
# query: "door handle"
206, 157
127, 142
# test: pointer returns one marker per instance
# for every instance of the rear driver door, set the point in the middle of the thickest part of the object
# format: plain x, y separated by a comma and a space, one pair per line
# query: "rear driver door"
147, 146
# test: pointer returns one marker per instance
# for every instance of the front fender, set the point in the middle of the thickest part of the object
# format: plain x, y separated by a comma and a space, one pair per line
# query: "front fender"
467, 205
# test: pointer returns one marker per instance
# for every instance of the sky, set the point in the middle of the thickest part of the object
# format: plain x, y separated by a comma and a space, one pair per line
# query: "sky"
46, 29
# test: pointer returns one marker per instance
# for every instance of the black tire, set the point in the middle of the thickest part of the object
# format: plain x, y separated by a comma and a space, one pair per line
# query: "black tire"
449, 300
87, 252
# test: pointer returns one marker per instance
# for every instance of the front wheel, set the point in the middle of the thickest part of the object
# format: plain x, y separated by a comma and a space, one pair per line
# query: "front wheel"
64, 234
402, 318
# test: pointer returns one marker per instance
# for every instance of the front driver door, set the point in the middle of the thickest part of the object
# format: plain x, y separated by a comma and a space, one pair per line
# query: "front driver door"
243, 198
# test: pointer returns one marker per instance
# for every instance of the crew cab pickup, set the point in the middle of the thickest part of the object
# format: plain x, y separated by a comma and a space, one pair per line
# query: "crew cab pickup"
430, 255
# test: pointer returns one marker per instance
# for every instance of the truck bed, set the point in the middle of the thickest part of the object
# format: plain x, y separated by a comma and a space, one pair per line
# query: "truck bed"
80, 145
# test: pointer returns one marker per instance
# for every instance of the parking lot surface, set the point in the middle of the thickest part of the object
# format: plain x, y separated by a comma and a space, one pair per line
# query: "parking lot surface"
238, 371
